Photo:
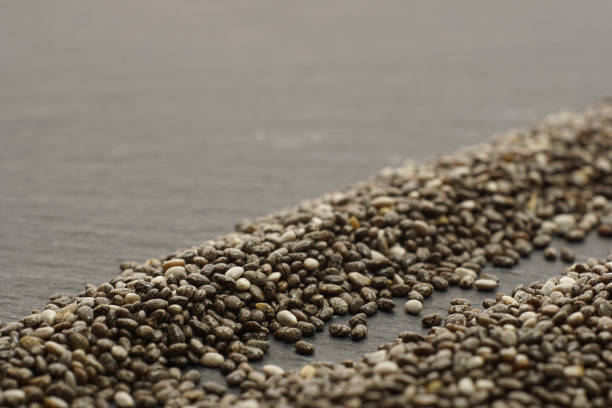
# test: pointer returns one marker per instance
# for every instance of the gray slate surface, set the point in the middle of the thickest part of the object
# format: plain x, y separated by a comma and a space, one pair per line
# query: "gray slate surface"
131, 129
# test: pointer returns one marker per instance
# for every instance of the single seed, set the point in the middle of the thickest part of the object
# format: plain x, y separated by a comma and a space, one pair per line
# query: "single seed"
413, 307
234, 272
421, 228
339, 330
311, 264
308, 372
303, 347
243, 284
567, 255
54, 402
286, 318
575, 319
386, 367
550, 254
271, 369
212, 359
485, 284
574, 371
431, 320
359, 332
123, 400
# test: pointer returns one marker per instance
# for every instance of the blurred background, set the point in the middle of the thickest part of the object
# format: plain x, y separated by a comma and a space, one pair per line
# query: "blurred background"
131, 129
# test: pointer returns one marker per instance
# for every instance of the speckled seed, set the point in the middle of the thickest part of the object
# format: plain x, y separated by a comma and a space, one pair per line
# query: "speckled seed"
575, 319
413, 307
550, 254
48, 316
421, 227
175, 272
567, 255
359, 279
485, 284
288, 236
43, 332
212, 359
463, 272
431, 320
78, 341
311, 264
359, 332
124, 400
286, 318
541, 241
55, 348
243, 284
339, 330
32, 344
288, 334
303, 347
235, 272
119, 353
236, 377
85, 313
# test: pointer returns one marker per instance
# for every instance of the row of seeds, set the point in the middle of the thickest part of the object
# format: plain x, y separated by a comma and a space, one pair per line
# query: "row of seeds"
406, 233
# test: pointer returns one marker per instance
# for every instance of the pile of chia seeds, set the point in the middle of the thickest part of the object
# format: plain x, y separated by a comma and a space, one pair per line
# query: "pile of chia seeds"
409, 232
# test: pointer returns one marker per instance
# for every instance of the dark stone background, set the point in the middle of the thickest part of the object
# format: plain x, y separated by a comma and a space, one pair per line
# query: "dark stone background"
131, 129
